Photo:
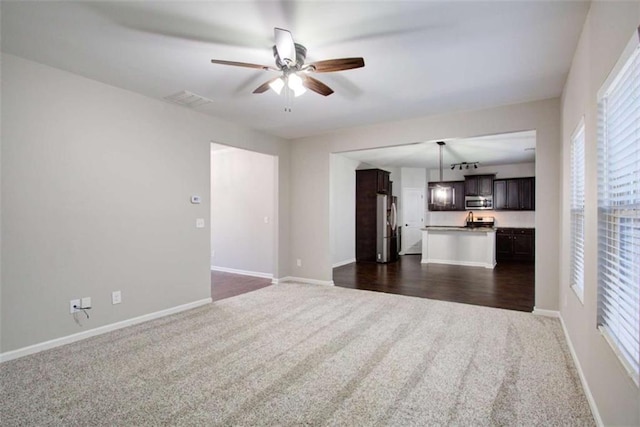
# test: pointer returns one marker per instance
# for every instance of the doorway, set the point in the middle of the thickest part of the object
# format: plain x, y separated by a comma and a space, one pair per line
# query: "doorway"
243, 213
412, 220
507, 157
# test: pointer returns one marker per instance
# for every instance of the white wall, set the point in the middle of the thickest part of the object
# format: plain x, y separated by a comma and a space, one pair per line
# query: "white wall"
414, 178
242, 211
608, 28
310, 178
343, 209
96, 186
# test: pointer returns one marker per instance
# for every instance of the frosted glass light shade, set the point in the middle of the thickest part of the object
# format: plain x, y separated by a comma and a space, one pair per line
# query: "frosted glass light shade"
277, 85
295, 84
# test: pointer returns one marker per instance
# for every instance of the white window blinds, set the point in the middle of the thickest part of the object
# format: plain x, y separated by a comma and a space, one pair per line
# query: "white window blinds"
577, 210
619, 212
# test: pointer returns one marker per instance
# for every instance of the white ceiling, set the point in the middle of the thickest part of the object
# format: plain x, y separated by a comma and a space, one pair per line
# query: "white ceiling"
422, 57
492, 150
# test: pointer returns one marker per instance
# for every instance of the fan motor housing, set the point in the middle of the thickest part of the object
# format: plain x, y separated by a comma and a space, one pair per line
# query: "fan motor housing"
301, 54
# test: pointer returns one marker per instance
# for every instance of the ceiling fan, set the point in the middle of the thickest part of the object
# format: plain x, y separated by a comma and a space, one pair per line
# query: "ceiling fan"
289, 58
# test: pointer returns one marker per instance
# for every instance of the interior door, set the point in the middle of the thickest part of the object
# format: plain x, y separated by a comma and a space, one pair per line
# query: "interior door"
412, 220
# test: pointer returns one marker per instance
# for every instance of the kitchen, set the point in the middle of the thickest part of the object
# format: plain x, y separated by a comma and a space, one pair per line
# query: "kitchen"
451, 245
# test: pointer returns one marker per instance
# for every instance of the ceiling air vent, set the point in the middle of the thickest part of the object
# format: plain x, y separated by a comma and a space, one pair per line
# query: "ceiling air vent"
188, 99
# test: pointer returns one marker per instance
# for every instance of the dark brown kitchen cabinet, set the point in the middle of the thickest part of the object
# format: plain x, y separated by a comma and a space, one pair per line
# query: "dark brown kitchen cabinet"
527, 194
514, 194
370, 183
515, 244
458, 200
478, 185
382, 179
445, 196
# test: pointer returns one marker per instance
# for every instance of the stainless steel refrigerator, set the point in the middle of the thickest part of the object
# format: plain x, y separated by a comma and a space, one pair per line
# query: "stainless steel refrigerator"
386, 226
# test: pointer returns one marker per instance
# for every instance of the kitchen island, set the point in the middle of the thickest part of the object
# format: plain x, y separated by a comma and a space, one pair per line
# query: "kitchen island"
470, 246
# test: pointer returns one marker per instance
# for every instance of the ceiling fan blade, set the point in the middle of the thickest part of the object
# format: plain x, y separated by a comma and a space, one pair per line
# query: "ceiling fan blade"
331, 65
284, 46
265, 86
316, 86
243, 64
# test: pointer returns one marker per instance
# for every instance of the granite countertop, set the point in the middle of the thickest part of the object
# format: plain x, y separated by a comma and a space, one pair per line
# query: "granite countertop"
454, 228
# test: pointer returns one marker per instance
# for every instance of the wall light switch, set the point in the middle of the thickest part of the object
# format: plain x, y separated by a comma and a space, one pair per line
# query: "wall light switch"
200, 223
85, 302
266, 220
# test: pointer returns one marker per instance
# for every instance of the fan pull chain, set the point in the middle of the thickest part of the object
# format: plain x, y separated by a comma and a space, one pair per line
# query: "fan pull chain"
288, 96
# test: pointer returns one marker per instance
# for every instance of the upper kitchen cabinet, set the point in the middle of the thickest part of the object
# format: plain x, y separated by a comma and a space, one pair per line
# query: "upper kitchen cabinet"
446, 196
382, 178
374, 179
514, 194
478, 185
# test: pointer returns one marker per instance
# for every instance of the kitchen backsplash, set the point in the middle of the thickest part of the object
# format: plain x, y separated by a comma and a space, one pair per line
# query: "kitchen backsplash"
525, 219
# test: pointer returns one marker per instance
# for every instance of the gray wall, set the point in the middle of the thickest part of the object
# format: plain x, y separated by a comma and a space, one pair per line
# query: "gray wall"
343, 209
96, 184
310, 180
242, 196
608, 28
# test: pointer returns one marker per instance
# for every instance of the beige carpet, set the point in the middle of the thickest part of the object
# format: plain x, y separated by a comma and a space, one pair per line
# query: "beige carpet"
300, 354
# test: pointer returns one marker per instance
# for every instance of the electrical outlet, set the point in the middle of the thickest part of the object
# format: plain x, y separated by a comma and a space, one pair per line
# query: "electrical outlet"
213, 254
266, 220
85, 302
299, 262
116, 297
199, 222
72, 304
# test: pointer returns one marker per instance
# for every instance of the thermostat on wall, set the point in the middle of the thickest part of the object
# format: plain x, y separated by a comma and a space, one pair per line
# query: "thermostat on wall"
195, 200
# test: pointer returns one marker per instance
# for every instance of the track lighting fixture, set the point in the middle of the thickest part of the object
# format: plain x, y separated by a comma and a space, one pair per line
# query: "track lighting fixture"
466, 165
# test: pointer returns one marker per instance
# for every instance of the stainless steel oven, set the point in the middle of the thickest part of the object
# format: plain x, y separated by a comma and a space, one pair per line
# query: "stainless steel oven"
478, 202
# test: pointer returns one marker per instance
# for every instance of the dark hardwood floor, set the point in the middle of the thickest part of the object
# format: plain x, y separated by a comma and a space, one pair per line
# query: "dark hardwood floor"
225, 285
510, 285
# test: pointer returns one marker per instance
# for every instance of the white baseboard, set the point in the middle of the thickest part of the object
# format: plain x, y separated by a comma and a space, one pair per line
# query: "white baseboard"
583, 380
243, 272
57, 342
463, 263
546, 313
290, 279
345, 262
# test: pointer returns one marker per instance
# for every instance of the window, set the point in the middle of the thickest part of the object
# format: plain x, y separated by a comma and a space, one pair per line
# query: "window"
619, 209
577, 210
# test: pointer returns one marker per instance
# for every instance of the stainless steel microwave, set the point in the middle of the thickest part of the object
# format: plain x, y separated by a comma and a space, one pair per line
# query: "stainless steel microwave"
478, 202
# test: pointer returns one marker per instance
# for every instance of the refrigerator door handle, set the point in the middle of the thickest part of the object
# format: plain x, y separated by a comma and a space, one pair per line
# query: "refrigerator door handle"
394, 216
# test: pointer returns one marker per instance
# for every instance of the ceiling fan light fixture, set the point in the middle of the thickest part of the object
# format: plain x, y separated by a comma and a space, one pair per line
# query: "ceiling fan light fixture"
295, 84
277, 85
299, 91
